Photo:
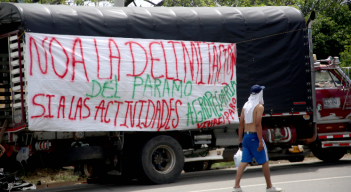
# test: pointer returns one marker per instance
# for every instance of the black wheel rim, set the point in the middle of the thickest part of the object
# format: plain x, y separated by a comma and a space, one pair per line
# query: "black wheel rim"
163, 159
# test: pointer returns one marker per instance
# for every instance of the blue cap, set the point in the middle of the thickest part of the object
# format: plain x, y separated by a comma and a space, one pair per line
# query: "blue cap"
256, 89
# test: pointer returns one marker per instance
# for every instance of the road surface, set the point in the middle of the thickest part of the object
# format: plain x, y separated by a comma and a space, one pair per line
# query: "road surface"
295, 177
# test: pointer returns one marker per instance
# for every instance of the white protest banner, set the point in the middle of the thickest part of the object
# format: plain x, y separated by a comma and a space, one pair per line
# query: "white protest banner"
83, 83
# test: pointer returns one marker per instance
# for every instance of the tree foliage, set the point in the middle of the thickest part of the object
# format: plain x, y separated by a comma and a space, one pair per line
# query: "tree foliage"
346, 54
79, 2
229, 3
53, 2
331, 31
187, 3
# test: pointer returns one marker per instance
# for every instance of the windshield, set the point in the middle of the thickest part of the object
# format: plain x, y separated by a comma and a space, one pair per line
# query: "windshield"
325, 79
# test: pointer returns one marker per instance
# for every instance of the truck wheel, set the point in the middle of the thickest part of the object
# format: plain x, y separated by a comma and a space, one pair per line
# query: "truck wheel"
296, 159
94, 169
254, 162
161, 160
329, 154
207, 165
88, 170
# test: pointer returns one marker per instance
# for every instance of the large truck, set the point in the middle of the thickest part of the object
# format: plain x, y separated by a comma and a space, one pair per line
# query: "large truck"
205, 58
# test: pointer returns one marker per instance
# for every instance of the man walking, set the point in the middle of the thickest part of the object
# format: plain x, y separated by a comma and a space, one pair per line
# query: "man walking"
253, 144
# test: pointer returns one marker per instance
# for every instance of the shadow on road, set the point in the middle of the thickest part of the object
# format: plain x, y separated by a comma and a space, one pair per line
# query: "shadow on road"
209, 176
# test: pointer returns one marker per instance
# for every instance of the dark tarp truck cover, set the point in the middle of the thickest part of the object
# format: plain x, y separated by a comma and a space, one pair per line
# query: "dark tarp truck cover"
272, 43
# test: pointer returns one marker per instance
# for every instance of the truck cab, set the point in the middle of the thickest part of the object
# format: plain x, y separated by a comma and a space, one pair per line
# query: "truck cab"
333, 109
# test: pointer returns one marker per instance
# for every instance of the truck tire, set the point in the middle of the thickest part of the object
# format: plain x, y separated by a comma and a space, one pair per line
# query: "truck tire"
329, 154
161, 160
254, 162
207, 165
194, 166
296, 159
94, 169
88, 170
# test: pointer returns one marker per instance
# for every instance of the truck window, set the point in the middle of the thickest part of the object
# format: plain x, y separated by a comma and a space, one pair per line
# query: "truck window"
325, 79
336, 80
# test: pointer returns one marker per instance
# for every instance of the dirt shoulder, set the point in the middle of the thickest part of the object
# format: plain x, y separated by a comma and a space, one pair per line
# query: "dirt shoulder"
310, 158
44, 178
307, 159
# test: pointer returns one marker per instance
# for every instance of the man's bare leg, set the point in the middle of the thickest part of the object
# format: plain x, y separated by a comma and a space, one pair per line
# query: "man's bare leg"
267, 174
239, 173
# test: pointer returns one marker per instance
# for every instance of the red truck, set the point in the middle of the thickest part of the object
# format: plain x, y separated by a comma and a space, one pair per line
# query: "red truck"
270, 46
333, 109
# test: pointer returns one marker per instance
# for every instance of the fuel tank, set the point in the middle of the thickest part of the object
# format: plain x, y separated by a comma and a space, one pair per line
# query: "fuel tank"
279, 135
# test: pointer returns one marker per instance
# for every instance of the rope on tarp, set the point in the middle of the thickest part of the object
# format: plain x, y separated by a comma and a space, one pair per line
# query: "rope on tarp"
271, 35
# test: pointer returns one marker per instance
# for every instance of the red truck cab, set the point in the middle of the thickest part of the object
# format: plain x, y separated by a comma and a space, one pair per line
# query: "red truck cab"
333, 109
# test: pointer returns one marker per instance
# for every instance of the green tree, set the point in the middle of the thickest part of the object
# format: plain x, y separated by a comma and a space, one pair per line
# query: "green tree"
307, 6
331, 31
189, 3
79, 2
230, 3
37, 1
346, 54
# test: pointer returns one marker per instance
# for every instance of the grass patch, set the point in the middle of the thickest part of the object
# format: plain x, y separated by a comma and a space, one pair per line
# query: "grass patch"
223, 164
49, 176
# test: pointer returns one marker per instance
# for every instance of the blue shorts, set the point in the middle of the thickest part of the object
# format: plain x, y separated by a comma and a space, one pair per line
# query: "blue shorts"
250, 145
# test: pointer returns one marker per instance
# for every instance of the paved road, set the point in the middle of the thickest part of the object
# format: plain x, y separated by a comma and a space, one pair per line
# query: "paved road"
297, 177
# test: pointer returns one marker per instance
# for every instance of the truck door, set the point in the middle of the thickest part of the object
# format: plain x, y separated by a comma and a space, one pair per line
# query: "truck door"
330, 96
345, 71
